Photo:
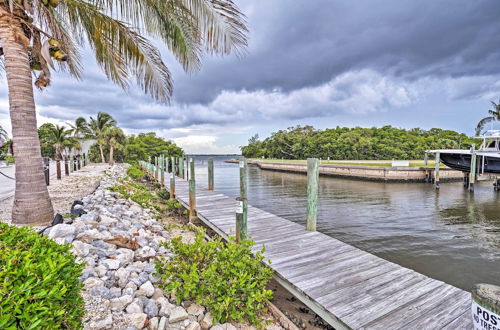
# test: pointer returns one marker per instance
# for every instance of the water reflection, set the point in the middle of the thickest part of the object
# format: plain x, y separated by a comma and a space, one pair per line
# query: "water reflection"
448, 234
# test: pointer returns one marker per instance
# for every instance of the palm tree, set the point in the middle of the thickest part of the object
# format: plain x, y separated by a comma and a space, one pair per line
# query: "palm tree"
115, 139
494, 116
98, 127
37, 35
80, 129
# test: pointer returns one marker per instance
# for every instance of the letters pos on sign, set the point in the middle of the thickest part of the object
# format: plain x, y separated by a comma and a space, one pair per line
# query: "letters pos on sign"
484, 319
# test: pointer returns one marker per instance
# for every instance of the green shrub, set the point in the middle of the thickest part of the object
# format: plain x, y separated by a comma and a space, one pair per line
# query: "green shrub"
39, 286
10, 159
223, 276
136, 192
135, 172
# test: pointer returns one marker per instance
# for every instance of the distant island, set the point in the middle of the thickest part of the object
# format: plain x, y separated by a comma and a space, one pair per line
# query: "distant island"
358, 143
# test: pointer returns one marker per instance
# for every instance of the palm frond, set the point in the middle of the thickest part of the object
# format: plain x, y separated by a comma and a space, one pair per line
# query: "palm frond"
121, 51
482, 123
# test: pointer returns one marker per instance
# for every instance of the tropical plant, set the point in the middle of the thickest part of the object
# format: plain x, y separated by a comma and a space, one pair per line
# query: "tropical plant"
115, 140
80, 129
35, 34
62, 140
98, 126
494, 116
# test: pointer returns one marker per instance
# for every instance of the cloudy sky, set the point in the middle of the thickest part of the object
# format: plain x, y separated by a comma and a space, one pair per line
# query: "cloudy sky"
316, 62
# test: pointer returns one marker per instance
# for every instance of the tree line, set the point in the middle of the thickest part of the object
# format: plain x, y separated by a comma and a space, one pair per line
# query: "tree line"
358, 143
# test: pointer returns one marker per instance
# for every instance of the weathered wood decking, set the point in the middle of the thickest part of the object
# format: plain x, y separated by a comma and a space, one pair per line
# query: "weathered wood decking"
348, 287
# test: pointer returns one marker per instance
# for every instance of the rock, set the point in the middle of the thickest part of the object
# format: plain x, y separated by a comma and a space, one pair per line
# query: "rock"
194, 326
89, 236
99, 291
106, 220
150, 308
105, 323
112, 263
153, 323
163, 323
125, 256
122, 275
138, 320
158, 293
115, 292
81, 249
165, 306
145, 252
100, 270
135, 307
91, 282
207, 321
63, 231
195, 309
147, 289
178, 314
121, 302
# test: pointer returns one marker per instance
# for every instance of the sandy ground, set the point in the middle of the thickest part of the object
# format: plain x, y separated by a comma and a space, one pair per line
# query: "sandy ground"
63, 192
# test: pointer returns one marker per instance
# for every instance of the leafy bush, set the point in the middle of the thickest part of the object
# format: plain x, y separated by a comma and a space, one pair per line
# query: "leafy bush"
135, 172
39, 286
136, 192
223, 276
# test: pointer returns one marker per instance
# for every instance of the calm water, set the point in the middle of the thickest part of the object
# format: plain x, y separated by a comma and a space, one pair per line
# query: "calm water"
449, 235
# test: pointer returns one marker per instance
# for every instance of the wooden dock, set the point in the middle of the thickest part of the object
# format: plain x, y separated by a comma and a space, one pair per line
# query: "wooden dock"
347, 287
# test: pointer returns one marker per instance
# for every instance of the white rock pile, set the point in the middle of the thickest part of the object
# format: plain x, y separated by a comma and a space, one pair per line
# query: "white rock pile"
119, 241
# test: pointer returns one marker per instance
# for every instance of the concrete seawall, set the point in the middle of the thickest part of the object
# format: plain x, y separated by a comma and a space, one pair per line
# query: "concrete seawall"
373, 173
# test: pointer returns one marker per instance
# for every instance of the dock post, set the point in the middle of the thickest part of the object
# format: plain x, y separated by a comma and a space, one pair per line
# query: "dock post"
187, 167
74, 164
472, 175
66, 166
166, 164
485, 306
436, 170
70, 164
181, 167
210, 174
426, 164
156, 169
242, 210
312, 193
192, 192
162, 170
79, 161
172, 181
172, 165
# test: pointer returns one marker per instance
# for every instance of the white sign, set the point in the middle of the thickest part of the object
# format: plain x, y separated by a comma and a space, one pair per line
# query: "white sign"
400, 163
483, 319
239, 209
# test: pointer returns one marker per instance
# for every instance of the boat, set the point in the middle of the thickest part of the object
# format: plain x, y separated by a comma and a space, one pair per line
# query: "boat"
487, 156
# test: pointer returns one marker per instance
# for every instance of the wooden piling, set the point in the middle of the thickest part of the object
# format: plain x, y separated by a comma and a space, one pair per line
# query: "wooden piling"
210, 174
181, 167
166, 164
79, 162
242, 210
312, 193
472, 174
436, 170
192, 191
46, 169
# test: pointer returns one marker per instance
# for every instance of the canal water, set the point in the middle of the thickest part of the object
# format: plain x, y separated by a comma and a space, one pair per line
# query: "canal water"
449, 235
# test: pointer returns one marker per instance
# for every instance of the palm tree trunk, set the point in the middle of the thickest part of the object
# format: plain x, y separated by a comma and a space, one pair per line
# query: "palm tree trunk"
103, 160
111, 160
31, 202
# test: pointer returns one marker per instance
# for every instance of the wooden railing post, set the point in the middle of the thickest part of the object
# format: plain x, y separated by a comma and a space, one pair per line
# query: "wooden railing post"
172, 180
242, 210
66, 166
58, 169
210, 174
79, 161
312, 193
181, 167
166, 164
436, 170
192, 191
46, 167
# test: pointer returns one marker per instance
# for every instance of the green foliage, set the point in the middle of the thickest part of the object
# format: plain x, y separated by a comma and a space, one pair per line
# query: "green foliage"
47, 140
10, 159
223, 276
135, 172
39, 286
343, 143
147, 145
136, 192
